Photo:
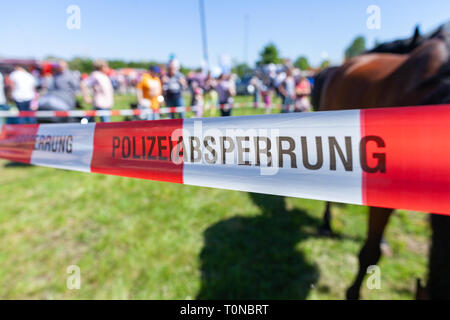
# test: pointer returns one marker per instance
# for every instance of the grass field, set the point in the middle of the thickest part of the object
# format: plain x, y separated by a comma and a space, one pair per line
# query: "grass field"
123, 102
140, 239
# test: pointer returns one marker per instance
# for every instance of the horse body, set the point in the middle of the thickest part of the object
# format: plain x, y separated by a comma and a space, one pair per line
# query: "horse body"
374, 80
365, 92
384, 80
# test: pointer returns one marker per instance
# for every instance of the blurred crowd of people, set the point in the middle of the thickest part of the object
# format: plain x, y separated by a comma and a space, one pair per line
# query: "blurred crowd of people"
284, 81
161, 86
52, 86
46, 87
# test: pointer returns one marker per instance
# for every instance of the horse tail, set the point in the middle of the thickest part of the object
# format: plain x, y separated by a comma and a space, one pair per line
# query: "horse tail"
319, 81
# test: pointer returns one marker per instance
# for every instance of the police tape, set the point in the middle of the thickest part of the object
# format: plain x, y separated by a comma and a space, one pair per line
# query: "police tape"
118, 112
92, 113
390, 157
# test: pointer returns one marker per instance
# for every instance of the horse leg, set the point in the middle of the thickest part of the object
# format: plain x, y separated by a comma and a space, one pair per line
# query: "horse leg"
438, 285
325, 228
370, 252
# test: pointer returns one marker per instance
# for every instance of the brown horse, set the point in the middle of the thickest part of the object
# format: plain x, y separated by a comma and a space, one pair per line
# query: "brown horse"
403, 46
374, 80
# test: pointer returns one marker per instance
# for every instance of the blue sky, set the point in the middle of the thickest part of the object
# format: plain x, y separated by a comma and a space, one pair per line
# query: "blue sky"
151, 30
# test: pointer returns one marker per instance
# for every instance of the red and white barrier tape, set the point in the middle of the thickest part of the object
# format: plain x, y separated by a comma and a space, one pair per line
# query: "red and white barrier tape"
392, 157
121, 112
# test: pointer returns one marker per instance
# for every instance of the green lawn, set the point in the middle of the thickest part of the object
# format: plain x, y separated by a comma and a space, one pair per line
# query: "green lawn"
140, 239
124, 101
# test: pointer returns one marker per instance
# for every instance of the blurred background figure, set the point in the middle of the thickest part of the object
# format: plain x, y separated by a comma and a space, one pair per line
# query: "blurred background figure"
197, 99
226, 91
173, 85
45, 77
266, 92
148, 91
60, 93
286, 88
122, 84
66, 84
302, 93
3, 105
23, 91
210, 94
61, 90
257, 84
195, 80
102, 89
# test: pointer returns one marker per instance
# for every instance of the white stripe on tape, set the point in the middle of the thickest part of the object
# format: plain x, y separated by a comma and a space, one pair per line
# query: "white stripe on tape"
323, 183
64, 146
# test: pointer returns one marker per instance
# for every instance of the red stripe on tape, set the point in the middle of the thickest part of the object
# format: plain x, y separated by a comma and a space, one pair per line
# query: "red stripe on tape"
416, 152
27, 113
139, 149
61, 113
17, 142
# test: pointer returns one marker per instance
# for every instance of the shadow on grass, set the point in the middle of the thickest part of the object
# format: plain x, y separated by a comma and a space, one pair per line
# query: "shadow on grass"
17, 165
256, 257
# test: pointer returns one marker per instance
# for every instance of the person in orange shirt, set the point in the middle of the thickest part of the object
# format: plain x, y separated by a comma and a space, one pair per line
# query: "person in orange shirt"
149, 91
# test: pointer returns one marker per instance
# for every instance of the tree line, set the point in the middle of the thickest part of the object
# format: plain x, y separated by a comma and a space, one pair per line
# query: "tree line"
269, 54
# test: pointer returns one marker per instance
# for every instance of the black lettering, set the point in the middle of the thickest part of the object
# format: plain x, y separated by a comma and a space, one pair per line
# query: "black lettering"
195, 149
135, 156
208, 159
69, 144
115, 145
225, 150
126, 151
170, 148
319, 151
381, 157
152, 146
62, 144
143, 147
161, 148
47, 143
36, 144
266, 150
289, 151
55, 142
242, 150
347, 162
180, 147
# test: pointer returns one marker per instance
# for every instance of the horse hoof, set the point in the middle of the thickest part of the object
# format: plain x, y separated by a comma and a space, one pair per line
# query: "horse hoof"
325, 231
352, 294
421, 291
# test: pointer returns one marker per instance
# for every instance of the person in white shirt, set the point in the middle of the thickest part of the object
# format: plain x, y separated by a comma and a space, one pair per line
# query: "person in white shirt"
23, 91
103, 92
